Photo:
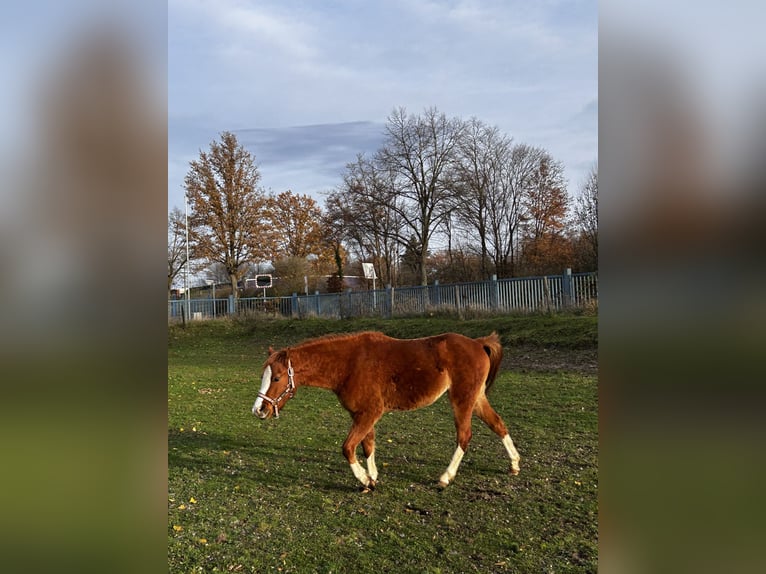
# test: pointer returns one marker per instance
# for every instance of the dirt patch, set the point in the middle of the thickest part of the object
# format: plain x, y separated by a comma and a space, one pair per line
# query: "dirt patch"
540, 359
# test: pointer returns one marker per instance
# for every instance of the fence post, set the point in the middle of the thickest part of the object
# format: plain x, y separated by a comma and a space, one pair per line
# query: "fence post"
318, 303
293, 305
232, 305
546, 294
437, 295
495, 292
349, 305
388, 303
566, 288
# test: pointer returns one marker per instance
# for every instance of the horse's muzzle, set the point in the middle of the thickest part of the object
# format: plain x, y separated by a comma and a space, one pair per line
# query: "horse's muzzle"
262, 413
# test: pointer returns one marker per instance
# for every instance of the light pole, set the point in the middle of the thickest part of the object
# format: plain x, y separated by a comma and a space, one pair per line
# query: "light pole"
186, 270
212, 282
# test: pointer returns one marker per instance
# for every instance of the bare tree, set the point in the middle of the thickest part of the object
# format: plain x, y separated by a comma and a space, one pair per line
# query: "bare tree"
420, 152
464, 179
365, 208
227, 221
508, 212
484, 158
176, 245
334, 233
217, 273
493, 177
586, 212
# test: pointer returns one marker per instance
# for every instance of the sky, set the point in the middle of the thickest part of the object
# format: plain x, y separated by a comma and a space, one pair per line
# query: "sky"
308, 85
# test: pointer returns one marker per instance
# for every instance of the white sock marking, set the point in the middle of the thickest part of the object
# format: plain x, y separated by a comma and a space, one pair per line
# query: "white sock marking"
512, 452
451, 471
360, 473
372, 470
265, 384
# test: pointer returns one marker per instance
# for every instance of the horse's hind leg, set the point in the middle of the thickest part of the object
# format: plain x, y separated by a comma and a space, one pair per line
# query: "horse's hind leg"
487, 414
463, 427
368, 445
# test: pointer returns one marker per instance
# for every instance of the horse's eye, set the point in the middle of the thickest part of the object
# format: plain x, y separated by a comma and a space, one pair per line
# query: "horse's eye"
275, 380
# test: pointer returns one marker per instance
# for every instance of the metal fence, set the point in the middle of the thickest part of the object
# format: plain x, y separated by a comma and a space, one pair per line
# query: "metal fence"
516, 295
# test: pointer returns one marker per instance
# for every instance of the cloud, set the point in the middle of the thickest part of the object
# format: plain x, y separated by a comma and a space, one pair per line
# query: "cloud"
337, 69
258, 25
305, 159
586, 119
309, 159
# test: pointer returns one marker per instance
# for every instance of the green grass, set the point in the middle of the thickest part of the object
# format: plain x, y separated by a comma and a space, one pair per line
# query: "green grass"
561, 331
278, 495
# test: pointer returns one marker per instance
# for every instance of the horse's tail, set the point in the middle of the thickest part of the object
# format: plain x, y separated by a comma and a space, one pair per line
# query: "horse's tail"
494, 349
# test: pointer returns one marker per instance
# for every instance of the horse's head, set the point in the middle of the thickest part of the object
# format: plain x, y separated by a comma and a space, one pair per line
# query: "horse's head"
277, 385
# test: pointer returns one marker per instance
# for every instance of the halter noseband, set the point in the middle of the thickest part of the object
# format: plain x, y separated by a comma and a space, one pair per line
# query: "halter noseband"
290, 390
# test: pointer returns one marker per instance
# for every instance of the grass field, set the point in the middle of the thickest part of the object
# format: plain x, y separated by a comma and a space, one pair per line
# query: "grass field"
247, 495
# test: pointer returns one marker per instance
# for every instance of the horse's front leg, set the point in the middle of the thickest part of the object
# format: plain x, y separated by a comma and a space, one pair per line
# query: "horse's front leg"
360, 429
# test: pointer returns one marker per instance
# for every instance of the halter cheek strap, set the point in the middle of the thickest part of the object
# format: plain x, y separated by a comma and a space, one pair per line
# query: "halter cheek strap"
289, 390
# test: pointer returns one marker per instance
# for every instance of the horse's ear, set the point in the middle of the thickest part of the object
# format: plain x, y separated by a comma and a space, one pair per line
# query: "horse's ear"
271, 350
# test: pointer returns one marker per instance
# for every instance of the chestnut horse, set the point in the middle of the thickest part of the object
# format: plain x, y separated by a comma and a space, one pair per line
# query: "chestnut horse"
372, 374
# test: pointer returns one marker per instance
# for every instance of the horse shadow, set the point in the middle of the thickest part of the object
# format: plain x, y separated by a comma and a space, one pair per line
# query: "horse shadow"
256, 459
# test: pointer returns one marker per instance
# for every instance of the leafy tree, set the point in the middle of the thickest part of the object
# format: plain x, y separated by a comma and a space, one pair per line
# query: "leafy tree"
546, 198
228, 210
456, 266
296, 227
290, 273
335, 280
334, 232
335, 283
546, 203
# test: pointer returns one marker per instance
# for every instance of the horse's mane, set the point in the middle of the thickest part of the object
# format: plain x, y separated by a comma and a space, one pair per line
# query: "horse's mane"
338, 337
281, 355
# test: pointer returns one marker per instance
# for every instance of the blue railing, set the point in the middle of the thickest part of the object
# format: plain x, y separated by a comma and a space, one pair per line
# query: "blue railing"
515, 295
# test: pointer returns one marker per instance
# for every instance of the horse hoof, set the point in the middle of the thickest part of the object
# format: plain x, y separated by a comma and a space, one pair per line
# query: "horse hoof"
515, 471
369, 488
442, 485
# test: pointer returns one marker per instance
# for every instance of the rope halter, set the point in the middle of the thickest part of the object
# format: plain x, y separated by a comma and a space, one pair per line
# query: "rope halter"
289, 391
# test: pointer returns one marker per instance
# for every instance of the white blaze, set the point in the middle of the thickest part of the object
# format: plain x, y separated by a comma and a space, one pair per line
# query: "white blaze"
265, 384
